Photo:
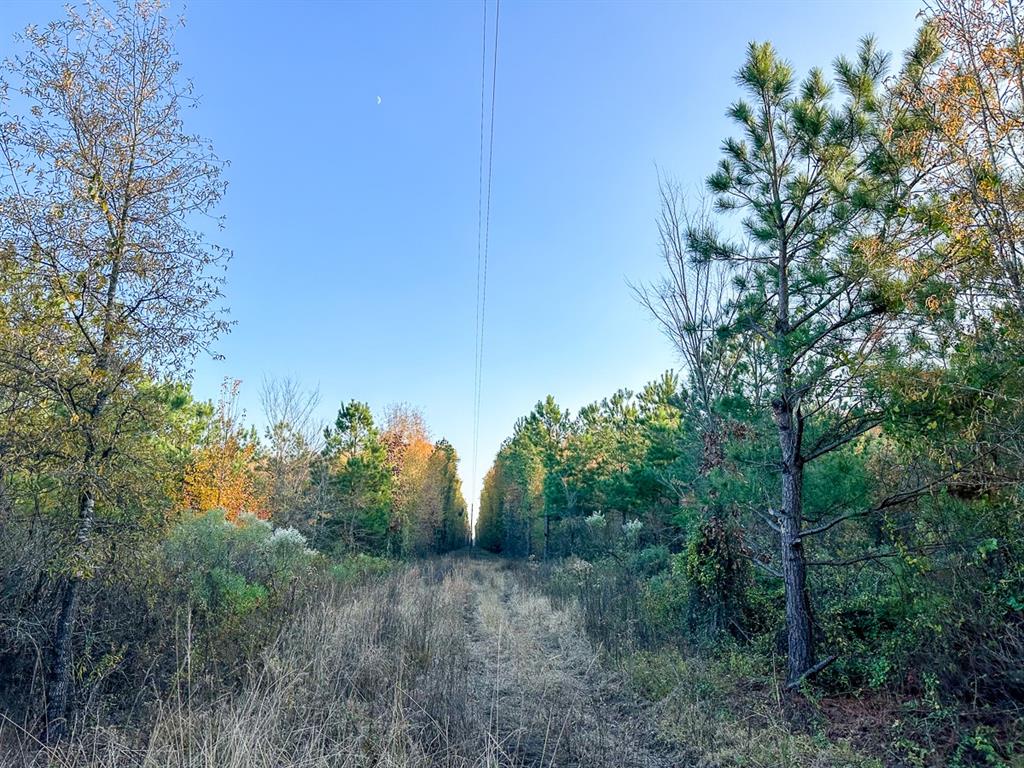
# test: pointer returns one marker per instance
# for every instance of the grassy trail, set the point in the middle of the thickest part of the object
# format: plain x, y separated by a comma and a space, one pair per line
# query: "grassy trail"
548, 700
451, 663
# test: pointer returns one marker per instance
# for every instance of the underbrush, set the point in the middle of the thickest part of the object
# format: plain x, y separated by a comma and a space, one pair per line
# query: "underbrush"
188, 615
728, 712
368, 673
713, 667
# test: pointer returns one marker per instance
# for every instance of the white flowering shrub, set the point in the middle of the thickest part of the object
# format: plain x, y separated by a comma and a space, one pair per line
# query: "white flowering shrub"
631, 528
235, 567
573, 573
577, 566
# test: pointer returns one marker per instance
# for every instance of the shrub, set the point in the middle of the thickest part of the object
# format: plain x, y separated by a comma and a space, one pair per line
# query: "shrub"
224, 589
651, 560
224, 568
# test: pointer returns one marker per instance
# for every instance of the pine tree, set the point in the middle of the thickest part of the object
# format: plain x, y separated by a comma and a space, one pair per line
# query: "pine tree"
817, 292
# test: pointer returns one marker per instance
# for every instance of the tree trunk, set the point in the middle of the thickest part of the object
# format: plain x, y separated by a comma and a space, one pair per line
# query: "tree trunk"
4, 498
799, 630
59, 687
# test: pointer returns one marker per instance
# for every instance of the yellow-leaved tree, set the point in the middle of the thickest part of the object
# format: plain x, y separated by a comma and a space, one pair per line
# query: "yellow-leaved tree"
227, 471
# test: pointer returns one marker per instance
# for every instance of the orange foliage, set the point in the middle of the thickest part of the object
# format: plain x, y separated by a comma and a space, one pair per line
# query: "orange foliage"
408, 446
972, 144
226, 471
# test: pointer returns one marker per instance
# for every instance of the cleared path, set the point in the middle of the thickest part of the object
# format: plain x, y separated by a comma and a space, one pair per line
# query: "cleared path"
547, 699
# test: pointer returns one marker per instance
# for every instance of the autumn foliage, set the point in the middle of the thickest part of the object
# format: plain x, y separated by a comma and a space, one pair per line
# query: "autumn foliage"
226, 470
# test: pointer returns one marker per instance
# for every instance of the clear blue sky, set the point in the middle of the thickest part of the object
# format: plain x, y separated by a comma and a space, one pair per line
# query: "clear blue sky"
354, 225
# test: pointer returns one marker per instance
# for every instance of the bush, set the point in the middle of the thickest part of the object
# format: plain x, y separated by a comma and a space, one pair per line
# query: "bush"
233, 584
223, 568
666, 600
651, 560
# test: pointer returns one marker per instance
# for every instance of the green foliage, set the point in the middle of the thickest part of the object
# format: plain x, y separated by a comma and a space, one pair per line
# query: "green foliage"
848, 442
359, 567
851, 409
557, 470
667, 601
227, 569
361, 482
717, 571
452, 526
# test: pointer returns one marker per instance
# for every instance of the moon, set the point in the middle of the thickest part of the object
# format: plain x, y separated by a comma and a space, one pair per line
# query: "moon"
378, 101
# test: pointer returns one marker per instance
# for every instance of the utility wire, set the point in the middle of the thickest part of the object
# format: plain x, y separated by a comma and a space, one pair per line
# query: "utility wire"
483, 235
479, 264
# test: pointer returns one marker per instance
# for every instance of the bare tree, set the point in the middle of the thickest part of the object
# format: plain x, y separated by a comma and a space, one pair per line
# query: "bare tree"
285, 401
295, 438
692, 304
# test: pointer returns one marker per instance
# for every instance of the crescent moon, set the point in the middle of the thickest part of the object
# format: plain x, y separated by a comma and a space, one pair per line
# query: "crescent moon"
378, 100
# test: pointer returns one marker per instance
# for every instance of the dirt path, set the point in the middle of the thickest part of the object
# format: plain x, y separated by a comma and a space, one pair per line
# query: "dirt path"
547, 700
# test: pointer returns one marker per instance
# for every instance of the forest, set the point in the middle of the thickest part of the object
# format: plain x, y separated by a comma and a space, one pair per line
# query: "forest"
833, 477
804, 546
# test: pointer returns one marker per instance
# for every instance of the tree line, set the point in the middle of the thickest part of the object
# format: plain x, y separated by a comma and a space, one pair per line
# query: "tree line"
837, 466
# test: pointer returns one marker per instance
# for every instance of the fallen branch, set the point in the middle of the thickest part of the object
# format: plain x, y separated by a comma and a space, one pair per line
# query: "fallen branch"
811, 672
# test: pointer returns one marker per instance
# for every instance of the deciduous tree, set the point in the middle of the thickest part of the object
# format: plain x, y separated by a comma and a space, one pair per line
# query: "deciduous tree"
104, 196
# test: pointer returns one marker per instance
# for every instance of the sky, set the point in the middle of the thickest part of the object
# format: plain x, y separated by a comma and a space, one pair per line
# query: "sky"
353, 132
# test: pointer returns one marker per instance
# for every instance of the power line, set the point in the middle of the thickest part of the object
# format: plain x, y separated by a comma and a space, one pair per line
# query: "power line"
483, 233
479, 262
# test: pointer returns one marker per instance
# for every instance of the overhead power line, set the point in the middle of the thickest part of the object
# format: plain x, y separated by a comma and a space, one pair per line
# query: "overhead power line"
483, 234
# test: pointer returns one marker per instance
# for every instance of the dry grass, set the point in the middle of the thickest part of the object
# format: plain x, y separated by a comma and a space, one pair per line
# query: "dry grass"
447, 664
551, 702
368, 677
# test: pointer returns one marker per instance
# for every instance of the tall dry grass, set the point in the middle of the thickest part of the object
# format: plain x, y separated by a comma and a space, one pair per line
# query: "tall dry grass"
453, 663
552, 701
367, 676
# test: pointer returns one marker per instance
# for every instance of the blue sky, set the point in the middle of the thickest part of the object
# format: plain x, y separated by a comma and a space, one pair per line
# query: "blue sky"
354, 224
